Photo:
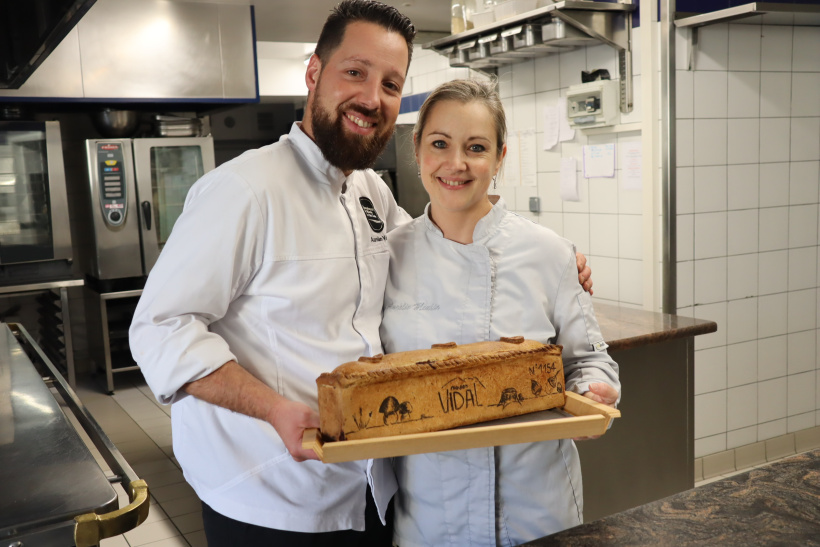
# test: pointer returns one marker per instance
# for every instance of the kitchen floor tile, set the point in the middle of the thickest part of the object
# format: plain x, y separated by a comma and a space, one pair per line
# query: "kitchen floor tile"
164, 478
182, 506
144, 455
172, 492
116, 541
186, 524
160, 421
151, 532
140, 443
153, 467
176, 541
155, 513
197, 539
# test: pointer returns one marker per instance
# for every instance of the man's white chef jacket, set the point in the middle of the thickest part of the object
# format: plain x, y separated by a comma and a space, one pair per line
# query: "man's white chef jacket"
278, 262
516, 278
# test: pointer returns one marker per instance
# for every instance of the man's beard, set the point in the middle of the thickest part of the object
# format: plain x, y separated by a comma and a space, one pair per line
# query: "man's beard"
343, 149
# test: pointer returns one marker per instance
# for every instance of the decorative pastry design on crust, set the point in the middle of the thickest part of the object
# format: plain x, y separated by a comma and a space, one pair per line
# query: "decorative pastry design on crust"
553, 380
393, 411
460, 394
535, 387
510, 395
360, 421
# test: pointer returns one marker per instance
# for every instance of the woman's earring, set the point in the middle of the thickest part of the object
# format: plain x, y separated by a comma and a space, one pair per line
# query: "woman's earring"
494, 177
419, 173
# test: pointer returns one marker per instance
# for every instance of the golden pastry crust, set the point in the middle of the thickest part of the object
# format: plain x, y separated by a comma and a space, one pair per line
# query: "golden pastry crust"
439, 388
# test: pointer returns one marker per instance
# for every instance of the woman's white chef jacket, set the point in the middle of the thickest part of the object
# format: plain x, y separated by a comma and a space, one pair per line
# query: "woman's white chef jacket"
516, 278
273, 265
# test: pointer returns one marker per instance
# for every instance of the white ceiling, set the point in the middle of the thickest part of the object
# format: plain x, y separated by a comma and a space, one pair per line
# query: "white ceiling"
301, 20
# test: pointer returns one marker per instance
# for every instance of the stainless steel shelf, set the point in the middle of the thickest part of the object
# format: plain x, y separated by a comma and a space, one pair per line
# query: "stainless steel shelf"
570, 24
756, 13
567, 8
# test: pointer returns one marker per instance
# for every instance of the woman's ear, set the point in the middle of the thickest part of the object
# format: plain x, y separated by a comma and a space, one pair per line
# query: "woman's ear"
501, 159
416, 148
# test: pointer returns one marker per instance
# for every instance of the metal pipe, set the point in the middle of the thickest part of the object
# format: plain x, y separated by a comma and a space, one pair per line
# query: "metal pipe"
668, 159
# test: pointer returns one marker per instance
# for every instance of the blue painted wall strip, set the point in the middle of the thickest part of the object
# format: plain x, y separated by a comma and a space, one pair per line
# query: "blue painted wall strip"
412, 103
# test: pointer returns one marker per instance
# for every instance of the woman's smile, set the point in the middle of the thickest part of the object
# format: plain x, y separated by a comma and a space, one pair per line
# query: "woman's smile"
452, 182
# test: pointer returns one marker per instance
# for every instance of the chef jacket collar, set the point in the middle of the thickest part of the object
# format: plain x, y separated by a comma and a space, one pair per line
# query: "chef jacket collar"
485, 227
313, 155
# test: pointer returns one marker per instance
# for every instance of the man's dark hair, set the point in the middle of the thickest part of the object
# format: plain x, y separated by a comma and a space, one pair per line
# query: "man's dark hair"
368, 11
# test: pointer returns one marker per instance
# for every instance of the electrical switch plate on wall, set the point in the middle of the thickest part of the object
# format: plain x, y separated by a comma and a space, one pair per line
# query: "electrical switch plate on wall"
593, 104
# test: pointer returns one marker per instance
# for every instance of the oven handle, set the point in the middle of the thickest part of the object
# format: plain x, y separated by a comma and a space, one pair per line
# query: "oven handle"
91, 528
146, 214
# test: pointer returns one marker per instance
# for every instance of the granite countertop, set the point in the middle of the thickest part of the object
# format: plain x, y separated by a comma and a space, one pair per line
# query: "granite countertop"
625, 328
777, 504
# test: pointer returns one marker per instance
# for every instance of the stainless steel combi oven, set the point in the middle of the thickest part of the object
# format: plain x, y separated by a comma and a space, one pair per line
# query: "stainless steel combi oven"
137, 188
34, 222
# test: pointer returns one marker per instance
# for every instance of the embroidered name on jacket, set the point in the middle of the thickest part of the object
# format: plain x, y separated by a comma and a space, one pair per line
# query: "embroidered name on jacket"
376, 224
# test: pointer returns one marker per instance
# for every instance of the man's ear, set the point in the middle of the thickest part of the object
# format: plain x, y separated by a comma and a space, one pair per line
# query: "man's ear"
314, 68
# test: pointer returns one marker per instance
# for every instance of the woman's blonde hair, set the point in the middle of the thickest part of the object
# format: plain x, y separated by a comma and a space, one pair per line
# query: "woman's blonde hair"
466, 91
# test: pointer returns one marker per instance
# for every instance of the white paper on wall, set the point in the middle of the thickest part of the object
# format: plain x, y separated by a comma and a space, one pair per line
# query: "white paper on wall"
528, 157
569, 180
599, 160
632, 158
565, 130
552, 126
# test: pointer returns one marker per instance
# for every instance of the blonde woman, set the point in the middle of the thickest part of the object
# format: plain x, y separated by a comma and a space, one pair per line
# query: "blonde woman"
466, 271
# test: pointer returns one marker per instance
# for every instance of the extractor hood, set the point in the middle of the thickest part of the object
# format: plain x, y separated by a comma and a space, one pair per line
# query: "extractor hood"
767, 13
29, 32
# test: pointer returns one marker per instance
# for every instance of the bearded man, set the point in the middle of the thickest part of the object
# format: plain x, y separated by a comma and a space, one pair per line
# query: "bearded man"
274, 273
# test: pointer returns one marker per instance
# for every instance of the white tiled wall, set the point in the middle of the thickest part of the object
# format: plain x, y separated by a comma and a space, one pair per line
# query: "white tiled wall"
748, 151
606, 224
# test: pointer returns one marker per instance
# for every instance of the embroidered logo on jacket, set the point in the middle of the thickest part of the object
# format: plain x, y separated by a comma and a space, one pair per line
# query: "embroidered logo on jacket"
372, 216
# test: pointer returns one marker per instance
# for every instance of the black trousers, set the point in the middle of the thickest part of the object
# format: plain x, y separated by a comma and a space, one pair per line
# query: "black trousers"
222, 531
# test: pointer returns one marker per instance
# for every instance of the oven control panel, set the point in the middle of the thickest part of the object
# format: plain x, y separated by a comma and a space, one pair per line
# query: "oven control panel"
111, 176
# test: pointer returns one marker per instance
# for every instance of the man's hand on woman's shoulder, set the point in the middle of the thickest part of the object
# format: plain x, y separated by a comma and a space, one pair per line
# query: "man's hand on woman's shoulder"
584, 272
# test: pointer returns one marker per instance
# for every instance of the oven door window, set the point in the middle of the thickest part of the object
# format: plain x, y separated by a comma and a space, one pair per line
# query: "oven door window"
174, 169
25, 215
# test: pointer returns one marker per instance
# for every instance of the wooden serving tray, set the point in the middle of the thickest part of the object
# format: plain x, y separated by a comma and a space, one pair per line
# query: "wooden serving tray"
580, 417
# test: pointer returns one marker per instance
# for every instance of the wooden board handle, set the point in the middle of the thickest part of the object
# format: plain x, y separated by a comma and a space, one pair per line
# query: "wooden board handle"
311, 440
575, 403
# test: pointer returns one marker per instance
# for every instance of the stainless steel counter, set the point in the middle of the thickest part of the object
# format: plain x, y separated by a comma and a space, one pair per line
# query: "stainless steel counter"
48, 475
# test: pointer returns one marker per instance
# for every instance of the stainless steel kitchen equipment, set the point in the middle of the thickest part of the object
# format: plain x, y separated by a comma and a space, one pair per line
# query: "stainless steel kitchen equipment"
108, 316
54, 492
135, 191
34, 225
116, 124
